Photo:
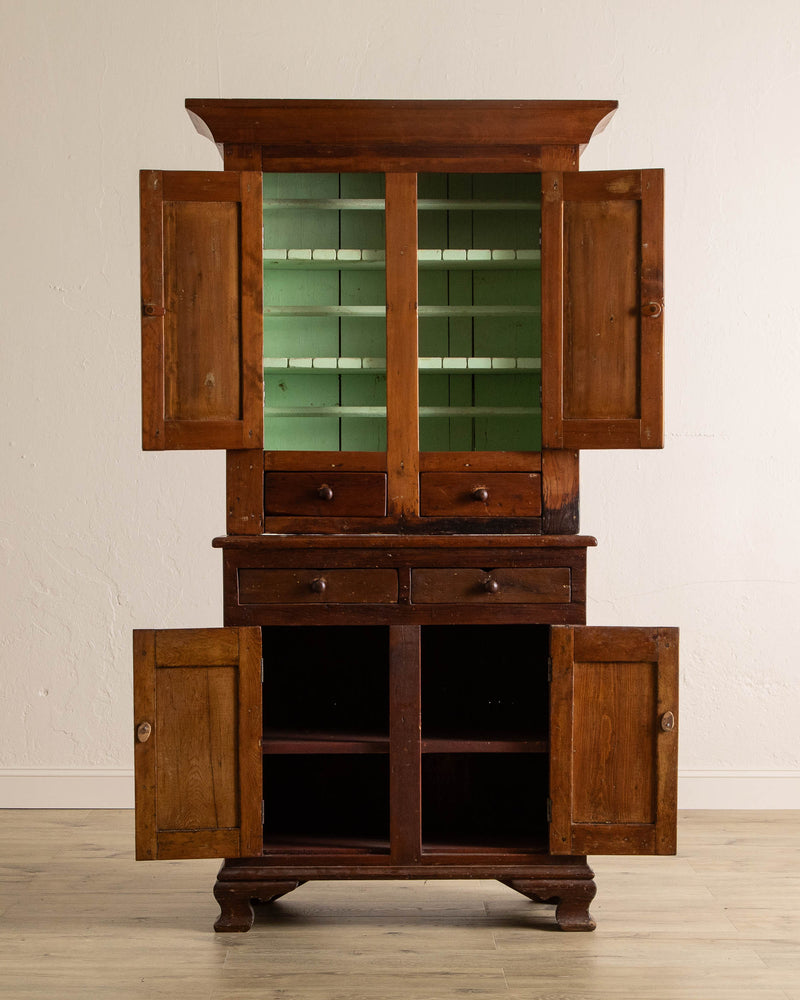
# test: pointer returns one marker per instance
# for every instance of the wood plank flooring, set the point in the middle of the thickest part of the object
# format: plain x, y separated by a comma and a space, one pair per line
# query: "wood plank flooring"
80, 920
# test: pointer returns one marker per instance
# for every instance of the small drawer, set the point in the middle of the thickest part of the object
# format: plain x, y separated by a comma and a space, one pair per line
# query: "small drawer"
534, 585
468, 494
325, 494
317, 586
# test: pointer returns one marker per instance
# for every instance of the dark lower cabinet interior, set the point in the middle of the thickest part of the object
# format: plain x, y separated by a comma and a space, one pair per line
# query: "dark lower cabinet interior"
326, 803
480, 694
484, 803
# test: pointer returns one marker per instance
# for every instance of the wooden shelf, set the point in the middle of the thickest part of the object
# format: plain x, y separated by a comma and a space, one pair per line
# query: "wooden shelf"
423, 411
373, 365
447, 259
424, 312
379, 204
453, 744
323, 743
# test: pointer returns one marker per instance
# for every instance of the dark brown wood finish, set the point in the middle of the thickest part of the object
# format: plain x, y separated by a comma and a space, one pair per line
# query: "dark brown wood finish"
384, 577
613, 746
602, 309
244, 491
324, 494
480, 494
197, 712
560, 492
405, 760
402, 392
455, 132
201, 310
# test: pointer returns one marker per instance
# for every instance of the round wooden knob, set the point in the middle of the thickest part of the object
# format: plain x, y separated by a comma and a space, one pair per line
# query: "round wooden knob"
652, 309
325, 492
319, 585
481, 494
667, 722
143, 732
491, 586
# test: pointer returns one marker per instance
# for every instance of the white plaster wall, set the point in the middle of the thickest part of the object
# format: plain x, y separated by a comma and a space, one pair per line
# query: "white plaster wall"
97, 538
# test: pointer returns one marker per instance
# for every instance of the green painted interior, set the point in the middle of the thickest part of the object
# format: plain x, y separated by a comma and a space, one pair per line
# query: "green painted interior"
509, 393
325, 304
320, 293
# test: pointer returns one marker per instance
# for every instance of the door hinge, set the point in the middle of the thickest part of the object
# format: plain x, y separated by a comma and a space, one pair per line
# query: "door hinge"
262, 669
549, 810
263, 820
549, 669
540, 395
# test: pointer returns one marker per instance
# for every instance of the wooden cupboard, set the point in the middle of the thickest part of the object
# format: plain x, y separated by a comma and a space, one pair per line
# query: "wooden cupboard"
402, 320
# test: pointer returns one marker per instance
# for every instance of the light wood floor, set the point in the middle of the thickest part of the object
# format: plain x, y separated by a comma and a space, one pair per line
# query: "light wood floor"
80, 920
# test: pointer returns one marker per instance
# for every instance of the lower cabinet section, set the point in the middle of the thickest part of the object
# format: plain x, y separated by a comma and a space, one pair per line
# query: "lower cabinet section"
504, 751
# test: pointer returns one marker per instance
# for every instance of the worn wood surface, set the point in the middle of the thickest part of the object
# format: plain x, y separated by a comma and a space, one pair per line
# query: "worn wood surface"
198, 771
400, 128
496, 586
201, 309
602, 309
613, 767
244, 491
480, 494
402, 391
405, 731
317, 586
560, 491
324, 493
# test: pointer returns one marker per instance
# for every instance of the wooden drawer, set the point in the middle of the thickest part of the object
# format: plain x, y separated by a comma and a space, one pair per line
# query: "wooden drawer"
317, 586
530, 585
468, 494
325, 494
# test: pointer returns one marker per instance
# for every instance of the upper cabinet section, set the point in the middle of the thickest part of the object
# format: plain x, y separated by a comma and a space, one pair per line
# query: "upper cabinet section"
602, 303
201, 310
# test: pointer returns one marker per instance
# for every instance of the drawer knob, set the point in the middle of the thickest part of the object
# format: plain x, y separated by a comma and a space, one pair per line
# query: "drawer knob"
319, 585
491, 586
481, 494
325, 492
667, 722
143, 732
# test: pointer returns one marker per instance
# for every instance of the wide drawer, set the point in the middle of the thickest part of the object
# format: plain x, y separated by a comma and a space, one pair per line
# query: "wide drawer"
534, 585
468, 494
317, 586
325, 494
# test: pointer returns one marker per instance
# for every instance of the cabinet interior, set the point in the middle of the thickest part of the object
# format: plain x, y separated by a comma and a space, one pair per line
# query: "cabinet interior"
324, 284
480, 735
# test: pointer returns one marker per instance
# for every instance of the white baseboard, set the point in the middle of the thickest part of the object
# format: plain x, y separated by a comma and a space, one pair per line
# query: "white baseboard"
739, 790
66, 788
90, 788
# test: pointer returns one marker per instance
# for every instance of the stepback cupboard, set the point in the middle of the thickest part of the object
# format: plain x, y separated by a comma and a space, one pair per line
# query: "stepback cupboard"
402, 320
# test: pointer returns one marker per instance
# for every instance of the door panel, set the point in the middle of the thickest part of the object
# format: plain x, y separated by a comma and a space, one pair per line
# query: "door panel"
197, 708
602, 309
202, 376
613, 742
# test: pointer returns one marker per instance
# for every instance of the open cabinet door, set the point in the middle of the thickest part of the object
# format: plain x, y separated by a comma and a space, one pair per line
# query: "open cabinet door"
613, 740
202, 341
197, 713
602, 309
